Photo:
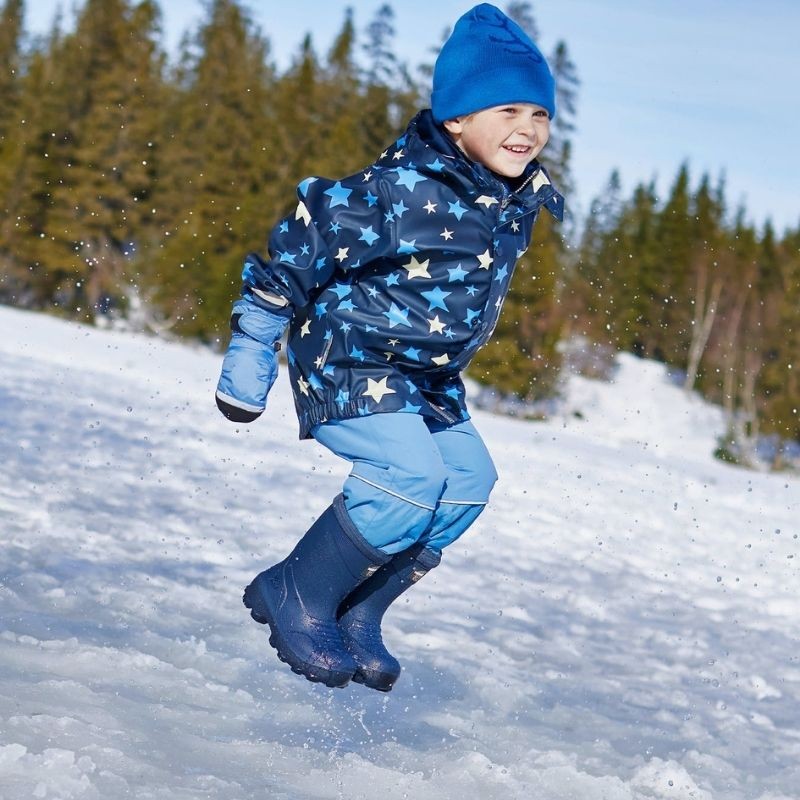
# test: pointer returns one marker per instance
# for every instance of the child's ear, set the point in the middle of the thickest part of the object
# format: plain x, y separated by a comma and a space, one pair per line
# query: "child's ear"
454, 126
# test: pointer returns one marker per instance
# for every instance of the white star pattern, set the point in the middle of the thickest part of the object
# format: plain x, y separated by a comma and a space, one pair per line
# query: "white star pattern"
487, 201
342, 254
418, 269
515, 226
398, 155
302, 385
430, 207
303, 213
448, 235
437, 326
377, 389
441, 360
539, 180
485, 259
306, 329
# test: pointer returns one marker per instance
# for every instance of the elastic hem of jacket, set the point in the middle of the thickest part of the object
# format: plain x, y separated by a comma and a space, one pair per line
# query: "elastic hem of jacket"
319, 413
394, 494
232, 401
425, 557
325, 412
355, 536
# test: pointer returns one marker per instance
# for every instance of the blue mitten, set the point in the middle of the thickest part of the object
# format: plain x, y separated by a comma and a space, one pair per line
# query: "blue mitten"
250, 366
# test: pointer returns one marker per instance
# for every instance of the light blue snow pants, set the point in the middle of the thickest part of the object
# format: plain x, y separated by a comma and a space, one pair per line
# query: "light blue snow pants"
413, 479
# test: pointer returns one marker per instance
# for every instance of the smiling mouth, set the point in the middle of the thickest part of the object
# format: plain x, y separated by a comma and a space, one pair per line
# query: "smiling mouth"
517, 149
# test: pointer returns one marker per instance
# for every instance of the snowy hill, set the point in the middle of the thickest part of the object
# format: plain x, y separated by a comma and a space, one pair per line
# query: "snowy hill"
621, 624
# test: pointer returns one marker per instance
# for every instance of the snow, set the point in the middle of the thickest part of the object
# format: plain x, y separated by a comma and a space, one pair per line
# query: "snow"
621, 624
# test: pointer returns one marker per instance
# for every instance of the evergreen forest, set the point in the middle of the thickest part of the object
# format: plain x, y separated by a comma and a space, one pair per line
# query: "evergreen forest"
133, 181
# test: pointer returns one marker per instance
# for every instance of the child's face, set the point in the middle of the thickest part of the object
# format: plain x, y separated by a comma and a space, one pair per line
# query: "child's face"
503, 138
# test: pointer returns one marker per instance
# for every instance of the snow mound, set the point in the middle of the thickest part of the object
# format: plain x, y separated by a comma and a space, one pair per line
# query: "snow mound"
620, 624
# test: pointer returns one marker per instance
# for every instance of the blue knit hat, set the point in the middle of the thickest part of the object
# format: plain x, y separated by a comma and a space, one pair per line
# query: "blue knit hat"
489, 61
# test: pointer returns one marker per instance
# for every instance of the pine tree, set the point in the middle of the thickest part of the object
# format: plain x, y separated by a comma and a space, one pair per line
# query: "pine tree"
671, 293
10, 58
223, 165
101, 94
707, 273
390, 95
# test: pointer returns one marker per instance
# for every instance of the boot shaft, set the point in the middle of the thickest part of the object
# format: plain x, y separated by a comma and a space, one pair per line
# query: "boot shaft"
369, 602
331, 560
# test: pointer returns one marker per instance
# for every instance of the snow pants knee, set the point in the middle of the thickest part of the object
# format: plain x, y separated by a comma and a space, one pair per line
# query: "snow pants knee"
413, 480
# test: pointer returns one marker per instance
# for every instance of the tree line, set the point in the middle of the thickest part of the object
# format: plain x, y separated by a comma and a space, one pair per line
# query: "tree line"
689, 283
132, 184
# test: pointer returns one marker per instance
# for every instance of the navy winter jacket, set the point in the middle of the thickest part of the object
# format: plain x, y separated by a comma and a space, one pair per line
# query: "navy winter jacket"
394, 277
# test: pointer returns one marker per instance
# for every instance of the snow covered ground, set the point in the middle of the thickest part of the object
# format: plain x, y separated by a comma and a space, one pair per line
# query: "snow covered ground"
622, 623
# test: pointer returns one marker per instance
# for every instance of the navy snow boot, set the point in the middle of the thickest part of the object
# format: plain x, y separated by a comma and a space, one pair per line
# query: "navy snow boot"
361, 613
299, 596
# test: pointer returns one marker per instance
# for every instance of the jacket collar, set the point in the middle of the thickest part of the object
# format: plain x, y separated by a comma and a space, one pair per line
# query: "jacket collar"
433, 151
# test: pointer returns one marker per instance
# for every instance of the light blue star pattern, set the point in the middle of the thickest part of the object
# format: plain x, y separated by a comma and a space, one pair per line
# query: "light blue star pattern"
501, 273
435, 298
321, 263
411, 408
409, 178
457, 209
471, 290
457, 274
339, 195
341, 290
397, 316
345, 326
320, 308
406, 248
392, 279
369, 236
399, 208
314, 382
286, 258
336, 227
436, 166
472, 315
303, 187
284, 228
342, 398
347, 305
371, 199
356, 353
412, 353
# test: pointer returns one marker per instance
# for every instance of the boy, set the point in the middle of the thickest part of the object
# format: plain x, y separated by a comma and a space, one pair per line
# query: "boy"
390, 280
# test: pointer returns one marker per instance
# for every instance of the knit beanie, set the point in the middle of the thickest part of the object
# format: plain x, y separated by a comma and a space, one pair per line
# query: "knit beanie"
489, 61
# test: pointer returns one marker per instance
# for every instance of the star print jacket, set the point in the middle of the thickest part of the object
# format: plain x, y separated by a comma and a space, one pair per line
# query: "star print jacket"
394, 277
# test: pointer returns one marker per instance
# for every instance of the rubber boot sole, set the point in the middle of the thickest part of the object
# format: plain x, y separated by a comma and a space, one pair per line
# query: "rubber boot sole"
380, 681
255, 600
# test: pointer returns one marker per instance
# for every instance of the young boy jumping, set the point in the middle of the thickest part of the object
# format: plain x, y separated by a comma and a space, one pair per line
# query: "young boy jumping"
390, 280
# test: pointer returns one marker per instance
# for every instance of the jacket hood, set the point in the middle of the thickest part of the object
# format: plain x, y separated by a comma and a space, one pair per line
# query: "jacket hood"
434, 152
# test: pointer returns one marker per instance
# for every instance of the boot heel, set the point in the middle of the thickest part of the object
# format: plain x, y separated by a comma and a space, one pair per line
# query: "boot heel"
252, 600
